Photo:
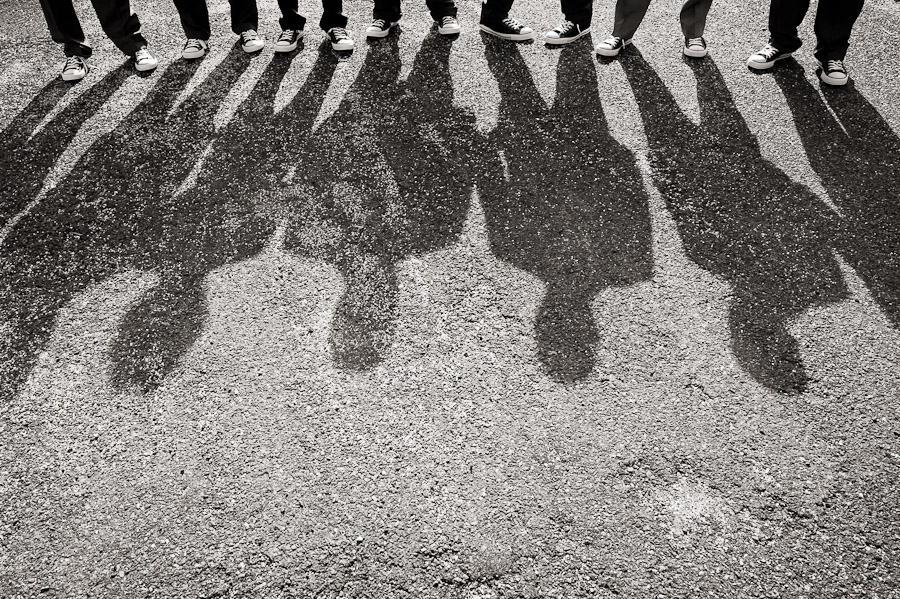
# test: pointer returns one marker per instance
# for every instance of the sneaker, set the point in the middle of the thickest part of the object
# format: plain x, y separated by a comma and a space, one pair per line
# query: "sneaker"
288, 40
380, 28
766, 58
75, 69
448, 26
340, 39
695, 47
611, 46
508, 29
194, 48
833, 72
251, 42
144, 60
565, 33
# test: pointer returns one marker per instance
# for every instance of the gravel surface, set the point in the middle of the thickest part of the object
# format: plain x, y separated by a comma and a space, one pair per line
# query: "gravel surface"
449, 317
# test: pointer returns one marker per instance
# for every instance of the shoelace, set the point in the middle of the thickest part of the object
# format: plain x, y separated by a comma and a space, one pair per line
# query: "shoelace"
379, 23
564, 27
286, 36
835, 65
73, 63
695, 41
448, 20
769, 52
340, 33
512, 24
142, 54
249, 36
193, 44
612, 42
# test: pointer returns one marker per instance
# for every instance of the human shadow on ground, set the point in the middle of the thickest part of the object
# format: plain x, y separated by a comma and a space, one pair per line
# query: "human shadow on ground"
857, 157
233, 214
28, 153
740, 218
118, 210
565, 202
387, 181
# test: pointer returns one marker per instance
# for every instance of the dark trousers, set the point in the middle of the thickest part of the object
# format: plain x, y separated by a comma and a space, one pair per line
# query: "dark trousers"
834, 22
630, 13
389, 10
332, 15
195, 17
577, 11
119, 23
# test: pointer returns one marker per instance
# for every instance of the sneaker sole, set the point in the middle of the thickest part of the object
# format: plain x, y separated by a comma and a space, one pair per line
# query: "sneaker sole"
764, 66
561, 41
611, 53
193, 56
381, 32
290, 47
71, 77
449, 30
143, 68
342, 48
515, 37
252, 49
695, 53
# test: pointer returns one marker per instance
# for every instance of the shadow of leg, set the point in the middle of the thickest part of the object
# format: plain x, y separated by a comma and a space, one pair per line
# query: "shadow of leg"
566, 332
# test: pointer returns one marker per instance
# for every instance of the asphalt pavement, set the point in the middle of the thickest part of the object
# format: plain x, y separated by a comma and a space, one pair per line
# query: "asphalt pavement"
449, 317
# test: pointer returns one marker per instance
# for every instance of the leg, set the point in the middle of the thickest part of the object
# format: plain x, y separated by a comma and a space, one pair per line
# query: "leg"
194, 18
120, 24
629, 14
244, 15
332, 15
693, 17
389, 10
441, 8
64, 27
493, 11
784, 18
578, 11
834, 22
290, 15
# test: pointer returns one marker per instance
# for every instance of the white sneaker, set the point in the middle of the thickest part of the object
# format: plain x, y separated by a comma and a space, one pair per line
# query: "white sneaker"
448, 26
611, 46
251, 42
194, 48
75, 69
144, 60
380, 28
340, 39
695, 47
288, 40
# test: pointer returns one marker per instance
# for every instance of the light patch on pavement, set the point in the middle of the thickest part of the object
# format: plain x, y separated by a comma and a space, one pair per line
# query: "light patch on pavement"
692, 506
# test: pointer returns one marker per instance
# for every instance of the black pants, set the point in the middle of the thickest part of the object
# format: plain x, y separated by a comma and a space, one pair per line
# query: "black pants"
389, 10
834, 21
577, 11
119, 23
244, 15
630, 13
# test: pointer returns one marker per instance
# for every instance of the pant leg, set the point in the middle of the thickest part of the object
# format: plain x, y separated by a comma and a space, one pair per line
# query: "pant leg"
244, 15
441, 8
290, 15
389, 10
65, 28
693, 17
194, 17
578, 11
784, 18
495, 10
834, 22
120, 24
332, 15
629, 14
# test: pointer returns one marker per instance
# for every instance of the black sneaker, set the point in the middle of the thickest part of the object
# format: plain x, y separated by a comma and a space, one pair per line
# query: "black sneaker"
448, 26
611, 46
75, 69
508, 29
833, 72
766, 58
695, 47
251, 42
380, 28
288, 40
340, 39
565, 33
